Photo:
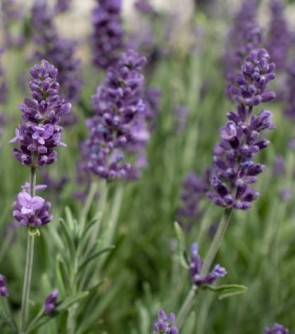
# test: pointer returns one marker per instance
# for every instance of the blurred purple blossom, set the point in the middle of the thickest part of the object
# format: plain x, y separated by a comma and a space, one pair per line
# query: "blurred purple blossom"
62, 6
12, 12
244, 36
289, 110
3, 287
144, 7
31, 211
55, 184
58, 51
51, 302
279, 165
196, 264
194, 188
3, 82
152, 98
40, 133
118, 127
279, 39
276, 329
234, 170
107, 37
165, 324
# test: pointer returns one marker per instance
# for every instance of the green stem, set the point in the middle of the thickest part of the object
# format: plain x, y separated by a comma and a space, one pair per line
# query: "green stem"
87, 205
29, 262
216, 242
187, 306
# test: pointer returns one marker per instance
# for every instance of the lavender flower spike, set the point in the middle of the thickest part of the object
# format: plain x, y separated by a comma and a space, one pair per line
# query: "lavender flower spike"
117, 129
40, 133
107, 37
51, 302
196, 264
3, 287
165, 324
31, 211
234, 169
276, 329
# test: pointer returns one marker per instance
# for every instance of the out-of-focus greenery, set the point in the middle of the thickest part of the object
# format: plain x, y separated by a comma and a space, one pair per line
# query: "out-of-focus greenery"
142, 273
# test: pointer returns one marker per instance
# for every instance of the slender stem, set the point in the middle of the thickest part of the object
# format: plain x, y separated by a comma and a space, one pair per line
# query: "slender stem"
27, 281
88, 202
29, 262
187, 306
216, 242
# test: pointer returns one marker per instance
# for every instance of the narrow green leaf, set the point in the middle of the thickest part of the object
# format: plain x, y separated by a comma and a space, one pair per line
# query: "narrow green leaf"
228, 290
70, 219
69, 301
181, 246
94, 256
63, 272
66, 233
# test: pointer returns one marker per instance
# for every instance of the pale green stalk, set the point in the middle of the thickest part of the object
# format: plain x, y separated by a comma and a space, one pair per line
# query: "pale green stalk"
29, 262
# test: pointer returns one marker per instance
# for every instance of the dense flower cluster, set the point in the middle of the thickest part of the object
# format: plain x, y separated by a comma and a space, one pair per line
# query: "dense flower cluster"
165, 324
11, 13
276, 329
279, 39
51, 302
193, 190
3, 287
58, 51
40, 133
245, 35
196, 264
107, 37
234, 170
118, 125
31, 211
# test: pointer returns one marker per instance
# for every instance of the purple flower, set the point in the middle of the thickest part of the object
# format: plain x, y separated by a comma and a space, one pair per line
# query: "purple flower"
279, 39
31, 211
250, 85
107, 37
12, 12
193, 190
62, 6
3, 287
40, 133
276, 329
117, 129
51, 302
165, 324
234, 171
144, 7
3, 82
152, 98
58, 51
245, 35
196, 264
289, 110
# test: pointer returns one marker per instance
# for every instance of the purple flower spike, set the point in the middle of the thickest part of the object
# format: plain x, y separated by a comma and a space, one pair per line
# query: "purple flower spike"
165, 324
31, 211
51, 302
3, 287
118, 128
276, 329
245, 35
107, 37
234, 171
194, 188
279, 37
58, 51
40, 133
196, 264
